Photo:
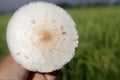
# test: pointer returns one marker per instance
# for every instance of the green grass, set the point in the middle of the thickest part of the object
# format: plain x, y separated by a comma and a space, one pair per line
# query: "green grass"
98, 54
3, 24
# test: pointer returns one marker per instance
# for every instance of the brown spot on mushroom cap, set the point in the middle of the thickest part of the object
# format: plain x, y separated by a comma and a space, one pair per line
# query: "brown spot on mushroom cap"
26, 57
44, 35
64, 33
33, 21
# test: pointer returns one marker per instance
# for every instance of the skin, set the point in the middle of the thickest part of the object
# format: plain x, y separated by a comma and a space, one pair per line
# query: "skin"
10, 70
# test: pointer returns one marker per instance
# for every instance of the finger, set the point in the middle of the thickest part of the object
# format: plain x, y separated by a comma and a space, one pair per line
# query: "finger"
51, 75
36, 76
9, 68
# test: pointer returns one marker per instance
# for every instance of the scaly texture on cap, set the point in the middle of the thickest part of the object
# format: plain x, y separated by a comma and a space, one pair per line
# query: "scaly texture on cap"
42, 37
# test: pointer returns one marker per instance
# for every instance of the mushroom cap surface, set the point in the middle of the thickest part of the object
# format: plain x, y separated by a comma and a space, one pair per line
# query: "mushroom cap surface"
42, 37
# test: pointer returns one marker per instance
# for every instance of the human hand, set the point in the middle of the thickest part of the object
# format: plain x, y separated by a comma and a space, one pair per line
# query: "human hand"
10, 70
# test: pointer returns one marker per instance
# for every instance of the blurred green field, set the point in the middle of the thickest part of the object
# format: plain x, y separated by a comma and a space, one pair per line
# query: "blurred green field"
4, 18
98, 54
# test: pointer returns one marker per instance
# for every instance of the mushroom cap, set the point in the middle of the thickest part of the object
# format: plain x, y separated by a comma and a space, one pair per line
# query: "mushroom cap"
42, 37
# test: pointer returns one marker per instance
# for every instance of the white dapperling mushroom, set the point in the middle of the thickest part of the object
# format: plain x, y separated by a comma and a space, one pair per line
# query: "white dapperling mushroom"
42, 37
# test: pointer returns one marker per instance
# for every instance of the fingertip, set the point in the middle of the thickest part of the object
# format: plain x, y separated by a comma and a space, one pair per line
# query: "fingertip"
36, 76
52, 75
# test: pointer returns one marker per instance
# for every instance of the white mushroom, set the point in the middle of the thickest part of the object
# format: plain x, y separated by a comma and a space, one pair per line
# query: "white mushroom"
42, 37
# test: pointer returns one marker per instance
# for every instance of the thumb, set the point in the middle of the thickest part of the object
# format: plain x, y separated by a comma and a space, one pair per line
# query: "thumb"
11, 70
